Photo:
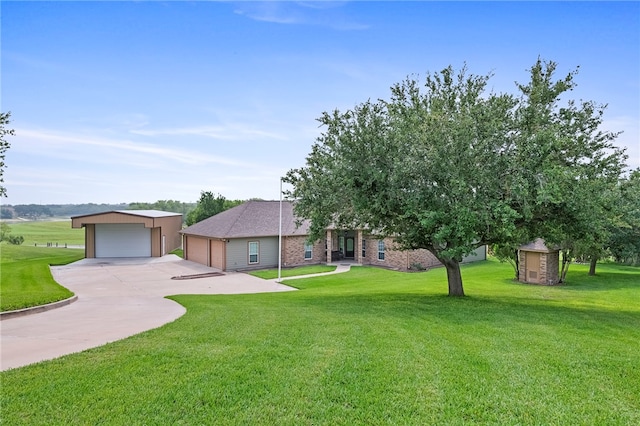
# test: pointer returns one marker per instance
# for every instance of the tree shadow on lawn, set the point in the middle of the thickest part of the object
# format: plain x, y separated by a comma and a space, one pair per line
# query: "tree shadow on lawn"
498, 310
604, 281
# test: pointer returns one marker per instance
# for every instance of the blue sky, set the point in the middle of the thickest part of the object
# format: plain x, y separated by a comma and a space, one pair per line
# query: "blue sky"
141, 101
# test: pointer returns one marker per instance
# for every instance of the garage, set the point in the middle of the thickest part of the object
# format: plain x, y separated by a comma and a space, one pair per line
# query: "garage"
123, 240
130, 233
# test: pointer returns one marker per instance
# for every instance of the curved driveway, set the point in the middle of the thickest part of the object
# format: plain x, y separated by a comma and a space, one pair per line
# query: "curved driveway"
117, 298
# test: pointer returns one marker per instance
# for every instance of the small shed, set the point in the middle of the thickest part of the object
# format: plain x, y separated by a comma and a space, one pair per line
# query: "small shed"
538, 264
130, 233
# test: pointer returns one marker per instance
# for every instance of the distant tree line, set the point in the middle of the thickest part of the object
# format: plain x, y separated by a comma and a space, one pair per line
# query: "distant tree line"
40, 211
165, 205
207, 206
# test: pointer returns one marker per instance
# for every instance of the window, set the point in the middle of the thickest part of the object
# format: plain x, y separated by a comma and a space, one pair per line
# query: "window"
341, 245
254, 250
380, 250
364, 248
307, 251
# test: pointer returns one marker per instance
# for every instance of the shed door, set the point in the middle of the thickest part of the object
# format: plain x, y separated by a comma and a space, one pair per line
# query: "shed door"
532, 267
123, 240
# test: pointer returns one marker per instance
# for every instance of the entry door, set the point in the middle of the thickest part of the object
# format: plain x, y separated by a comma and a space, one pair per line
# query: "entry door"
349, 251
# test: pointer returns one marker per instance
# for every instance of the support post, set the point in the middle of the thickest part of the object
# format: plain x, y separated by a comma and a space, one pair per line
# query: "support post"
280, 237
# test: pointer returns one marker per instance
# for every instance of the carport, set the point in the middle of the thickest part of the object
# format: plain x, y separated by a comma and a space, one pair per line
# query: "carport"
129, 233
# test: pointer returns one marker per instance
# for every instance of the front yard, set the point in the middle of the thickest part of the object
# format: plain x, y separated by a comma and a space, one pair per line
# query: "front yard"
370, 346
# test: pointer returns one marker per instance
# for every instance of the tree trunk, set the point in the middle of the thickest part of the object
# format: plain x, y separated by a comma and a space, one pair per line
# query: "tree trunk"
517, 258
454, 277
592, 265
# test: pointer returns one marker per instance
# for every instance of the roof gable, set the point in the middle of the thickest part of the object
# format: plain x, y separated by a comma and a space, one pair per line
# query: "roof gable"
251, 219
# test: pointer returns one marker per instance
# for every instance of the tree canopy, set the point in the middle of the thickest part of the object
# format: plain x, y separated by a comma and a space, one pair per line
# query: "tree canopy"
447, 166
209, 205
4, 146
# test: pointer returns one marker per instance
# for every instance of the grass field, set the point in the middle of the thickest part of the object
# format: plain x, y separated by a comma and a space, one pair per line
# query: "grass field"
268, 274
43, 232
25, 277
368, 347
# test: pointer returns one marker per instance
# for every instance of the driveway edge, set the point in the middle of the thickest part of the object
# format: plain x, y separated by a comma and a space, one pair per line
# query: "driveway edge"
37, 309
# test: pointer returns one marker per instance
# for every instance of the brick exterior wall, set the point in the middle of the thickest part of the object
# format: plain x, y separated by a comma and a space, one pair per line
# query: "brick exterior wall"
402, 260
552, 264
547, 272
293, 252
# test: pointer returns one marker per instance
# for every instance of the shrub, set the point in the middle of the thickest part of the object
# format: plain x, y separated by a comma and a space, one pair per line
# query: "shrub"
16, 240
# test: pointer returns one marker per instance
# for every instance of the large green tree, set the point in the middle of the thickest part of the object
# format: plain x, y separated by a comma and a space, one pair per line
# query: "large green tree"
424, 167
448, 167
209, 205
565, 166
4, 146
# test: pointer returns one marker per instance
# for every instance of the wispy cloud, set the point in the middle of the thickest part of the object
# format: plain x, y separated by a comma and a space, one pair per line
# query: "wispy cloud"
228, 132
317, 13
121, 148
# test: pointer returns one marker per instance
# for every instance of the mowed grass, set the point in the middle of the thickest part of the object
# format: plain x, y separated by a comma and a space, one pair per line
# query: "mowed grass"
25, 277
368, 347
43, 232
268, 274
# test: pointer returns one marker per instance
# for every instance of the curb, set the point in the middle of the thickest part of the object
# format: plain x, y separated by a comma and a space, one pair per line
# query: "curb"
37, 309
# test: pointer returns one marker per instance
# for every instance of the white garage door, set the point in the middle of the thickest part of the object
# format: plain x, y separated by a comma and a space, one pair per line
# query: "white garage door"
123, 240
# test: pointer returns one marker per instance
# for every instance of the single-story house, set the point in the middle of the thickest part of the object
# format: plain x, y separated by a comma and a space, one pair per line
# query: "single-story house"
246, 237
129, 233
538, 264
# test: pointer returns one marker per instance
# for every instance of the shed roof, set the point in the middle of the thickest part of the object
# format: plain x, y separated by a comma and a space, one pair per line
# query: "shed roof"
539, 246
254, 218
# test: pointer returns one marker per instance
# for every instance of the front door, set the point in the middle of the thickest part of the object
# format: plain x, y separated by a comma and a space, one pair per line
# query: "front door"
349, 250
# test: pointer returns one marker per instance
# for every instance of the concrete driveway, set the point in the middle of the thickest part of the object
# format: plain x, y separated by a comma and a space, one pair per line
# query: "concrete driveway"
117, 298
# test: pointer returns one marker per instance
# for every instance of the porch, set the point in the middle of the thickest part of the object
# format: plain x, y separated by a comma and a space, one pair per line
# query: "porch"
345, 246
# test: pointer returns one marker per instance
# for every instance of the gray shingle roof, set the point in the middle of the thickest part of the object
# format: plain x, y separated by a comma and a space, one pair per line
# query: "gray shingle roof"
539, 246
251, 219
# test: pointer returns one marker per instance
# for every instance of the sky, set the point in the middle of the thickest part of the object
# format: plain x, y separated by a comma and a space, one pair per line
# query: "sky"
118, 102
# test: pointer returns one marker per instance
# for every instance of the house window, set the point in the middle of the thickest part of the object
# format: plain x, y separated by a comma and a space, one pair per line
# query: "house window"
380, 250
307, 251
254, 250
364, 248
341, 245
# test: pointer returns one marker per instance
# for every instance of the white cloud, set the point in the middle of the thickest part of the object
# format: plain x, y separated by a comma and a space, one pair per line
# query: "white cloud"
324, 14
40, 142
228, 132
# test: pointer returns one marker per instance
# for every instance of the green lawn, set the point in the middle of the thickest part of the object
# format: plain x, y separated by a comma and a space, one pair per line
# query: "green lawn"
43, 232
268, 274
368, 347
25, 277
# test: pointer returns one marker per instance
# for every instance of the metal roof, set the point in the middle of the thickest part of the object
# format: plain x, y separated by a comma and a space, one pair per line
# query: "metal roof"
143, 213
